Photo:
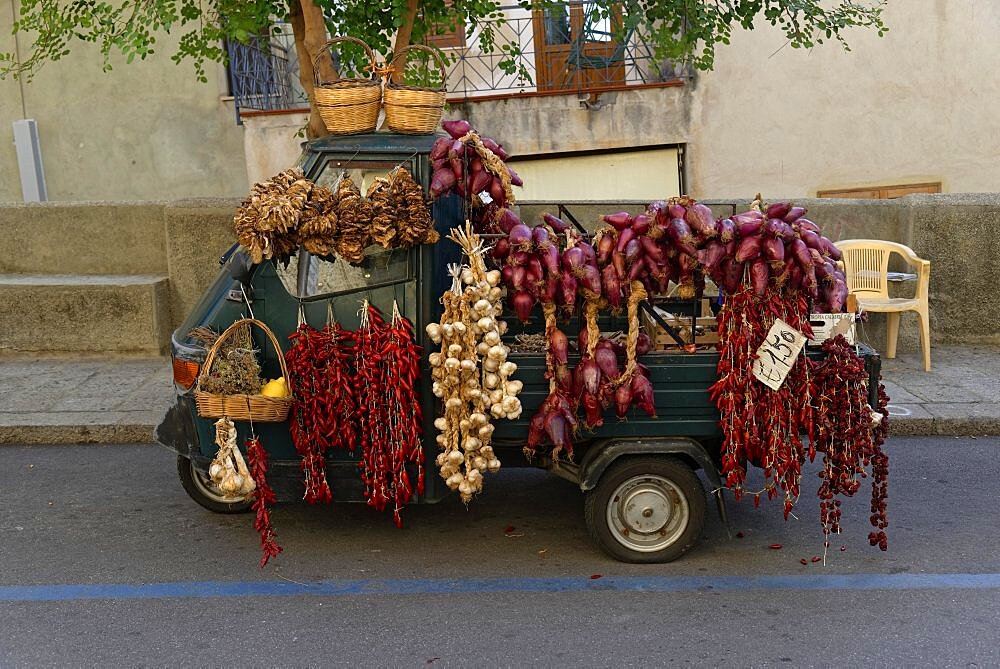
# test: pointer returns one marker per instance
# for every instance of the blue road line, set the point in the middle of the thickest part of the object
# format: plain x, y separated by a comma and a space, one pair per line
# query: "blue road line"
232, 589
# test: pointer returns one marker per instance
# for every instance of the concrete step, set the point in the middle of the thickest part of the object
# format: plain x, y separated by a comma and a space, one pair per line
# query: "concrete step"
84, 313
83, 238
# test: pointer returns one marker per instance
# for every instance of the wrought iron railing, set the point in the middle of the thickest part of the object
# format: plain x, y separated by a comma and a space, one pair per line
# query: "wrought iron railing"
263, 73
585, 58
590, 57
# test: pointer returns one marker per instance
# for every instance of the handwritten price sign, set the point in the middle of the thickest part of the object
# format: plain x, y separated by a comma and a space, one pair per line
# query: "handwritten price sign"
777, 354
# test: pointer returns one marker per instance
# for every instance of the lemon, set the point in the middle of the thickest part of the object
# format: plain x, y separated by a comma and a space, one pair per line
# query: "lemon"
275, 388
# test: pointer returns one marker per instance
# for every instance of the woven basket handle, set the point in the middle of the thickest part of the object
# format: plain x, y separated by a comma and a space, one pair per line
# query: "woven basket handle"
325, 49
422, 47
227, 333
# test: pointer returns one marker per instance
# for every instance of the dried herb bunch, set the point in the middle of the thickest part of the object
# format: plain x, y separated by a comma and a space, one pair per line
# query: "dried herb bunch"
318, 223
271, 212
235, 370
354, 221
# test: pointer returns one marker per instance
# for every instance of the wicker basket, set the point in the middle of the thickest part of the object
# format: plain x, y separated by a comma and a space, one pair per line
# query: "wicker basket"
347, 106
242, 407
414, 110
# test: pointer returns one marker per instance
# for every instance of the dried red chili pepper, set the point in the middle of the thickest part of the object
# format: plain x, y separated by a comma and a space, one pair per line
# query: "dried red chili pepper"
263, 496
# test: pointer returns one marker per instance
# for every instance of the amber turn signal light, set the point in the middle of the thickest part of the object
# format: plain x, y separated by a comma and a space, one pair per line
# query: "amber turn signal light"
185, 372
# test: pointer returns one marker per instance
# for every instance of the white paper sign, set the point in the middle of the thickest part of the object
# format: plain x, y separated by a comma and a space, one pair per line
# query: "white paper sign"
777, 354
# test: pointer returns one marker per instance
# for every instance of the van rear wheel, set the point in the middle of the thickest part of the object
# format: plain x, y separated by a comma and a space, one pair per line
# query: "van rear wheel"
646, 509
200, 488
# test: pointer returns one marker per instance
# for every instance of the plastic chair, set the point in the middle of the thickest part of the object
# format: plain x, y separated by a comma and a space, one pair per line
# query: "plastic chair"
866, 264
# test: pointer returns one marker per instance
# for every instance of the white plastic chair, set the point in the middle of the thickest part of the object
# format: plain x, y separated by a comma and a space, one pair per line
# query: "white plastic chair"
866, 264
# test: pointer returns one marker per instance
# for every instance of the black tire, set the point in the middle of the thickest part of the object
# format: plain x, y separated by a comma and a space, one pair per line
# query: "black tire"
200, 488
674, 504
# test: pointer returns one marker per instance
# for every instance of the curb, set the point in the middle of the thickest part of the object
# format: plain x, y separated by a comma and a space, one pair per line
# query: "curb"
76, 434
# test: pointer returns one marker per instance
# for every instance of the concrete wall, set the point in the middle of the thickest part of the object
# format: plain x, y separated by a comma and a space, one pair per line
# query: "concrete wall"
144, 131
271, 142
915, 105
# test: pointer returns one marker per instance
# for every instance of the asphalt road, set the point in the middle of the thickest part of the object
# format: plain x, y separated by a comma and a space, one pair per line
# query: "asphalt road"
106, 562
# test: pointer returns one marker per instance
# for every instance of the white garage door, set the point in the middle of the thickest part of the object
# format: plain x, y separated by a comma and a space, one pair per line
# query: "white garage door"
627, 175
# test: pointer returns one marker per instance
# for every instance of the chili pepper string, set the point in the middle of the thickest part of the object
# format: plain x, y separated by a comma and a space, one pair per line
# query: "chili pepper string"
307, 363
263, 497
849, 438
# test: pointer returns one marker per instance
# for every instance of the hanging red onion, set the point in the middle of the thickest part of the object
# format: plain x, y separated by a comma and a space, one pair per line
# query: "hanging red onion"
507, 275
551, 289
479, 181
518, 277
557, 224
632, 251
711, 256
593, 412
732, 274
794, 214
643, 344
559, 345
591, 279
508, 220
605, 245
518, 258
522, 302
514, 178
496, 148
540, 237
778, 209
774, 250
676, 211
700, 219
725, 229
749, 248
589, 373
830, 249
618, 262
810, 238
623, 399
501, 249
550, 258
442, 181
759, 276
457, 129
607, 361
651, 250
589, 254
618, 221
640, 224
573, 260
611, 284
497, 192
439, 149
555, 427
801, 253
806, 224
567, 285
642, 394
624, 237
520, 237
680, 234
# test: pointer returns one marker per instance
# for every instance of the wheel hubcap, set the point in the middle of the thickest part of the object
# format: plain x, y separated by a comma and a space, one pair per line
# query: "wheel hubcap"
208, 487
647, 513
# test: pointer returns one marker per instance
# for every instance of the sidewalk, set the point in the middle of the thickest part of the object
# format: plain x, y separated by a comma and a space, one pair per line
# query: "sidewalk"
118, 401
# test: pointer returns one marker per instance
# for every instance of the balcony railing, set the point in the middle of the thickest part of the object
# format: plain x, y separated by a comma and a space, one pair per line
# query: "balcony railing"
263, 73
573, 56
